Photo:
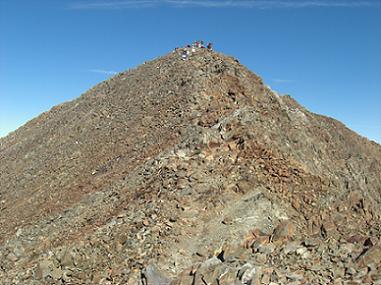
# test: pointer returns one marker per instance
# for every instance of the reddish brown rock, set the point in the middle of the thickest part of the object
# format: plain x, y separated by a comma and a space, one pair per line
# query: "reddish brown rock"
283, 232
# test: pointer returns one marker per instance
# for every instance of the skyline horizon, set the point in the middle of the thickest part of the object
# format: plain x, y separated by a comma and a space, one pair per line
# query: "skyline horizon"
111, 73
324, 54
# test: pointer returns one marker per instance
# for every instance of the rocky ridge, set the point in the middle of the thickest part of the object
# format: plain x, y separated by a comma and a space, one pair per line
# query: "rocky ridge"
188, 172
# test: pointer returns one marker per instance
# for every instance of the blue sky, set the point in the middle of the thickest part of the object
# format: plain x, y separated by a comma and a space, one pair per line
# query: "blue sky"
326, 54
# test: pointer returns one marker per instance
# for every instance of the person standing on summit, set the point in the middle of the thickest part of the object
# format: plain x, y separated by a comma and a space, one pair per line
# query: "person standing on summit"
184, 55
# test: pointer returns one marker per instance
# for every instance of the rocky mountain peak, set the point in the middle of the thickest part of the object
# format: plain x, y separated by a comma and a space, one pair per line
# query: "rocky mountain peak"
188, 171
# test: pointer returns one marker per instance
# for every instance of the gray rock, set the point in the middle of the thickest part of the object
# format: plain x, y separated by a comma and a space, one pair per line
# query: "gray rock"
154, 276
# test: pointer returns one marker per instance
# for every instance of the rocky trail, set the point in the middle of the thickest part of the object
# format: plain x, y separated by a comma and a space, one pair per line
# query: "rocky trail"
188, 172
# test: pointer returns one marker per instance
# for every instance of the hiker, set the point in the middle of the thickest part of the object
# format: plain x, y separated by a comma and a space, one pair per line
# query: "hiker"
210, 46
199, 44
184, 54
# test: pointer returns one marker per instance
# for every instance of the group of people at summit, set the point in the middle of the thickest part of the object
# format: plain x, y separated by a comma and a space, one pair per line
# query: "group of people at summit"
188, 49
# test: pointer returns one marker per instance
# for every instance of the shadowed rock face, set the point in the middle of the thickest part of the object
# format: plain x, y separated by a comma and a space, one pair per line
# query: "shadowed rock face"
188, 172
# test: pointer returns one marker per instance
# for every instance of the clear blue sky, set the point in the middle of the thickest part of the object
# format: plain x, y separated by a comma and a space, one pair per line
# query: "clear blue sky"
326, 54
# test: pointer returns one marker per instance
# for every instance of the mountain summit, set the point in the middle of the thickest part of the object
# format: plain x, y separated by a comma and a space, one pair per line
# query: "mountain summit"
188, 172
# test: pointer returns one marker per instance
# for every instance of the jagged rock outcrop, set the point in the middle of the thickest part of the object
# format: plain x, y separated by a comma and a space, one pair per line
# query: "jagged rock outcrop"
188, 172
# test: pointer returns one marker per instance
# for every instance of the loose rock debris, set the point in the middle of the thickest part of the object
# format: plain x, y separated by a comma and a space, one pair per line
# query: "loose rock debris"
188, 172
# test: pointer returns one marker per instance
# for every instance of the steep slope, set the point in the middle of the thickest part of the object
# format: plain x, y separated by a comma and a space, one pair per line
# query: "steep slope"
194, 168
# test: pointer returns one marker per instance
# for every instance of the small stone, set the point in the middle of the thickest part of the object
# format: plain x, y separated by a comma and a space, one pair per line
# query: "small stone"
12, 257
350, 271
291, 247
227, 221
56, 273
294, 276
251, 276
210, 263
261, 258
303, 252
267, 249
243, 269
185, 277
310, 242
338, 272
47, 268
372, 255
154, 276
345, 249
361, 273
283, 231
259, 242
266, 275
